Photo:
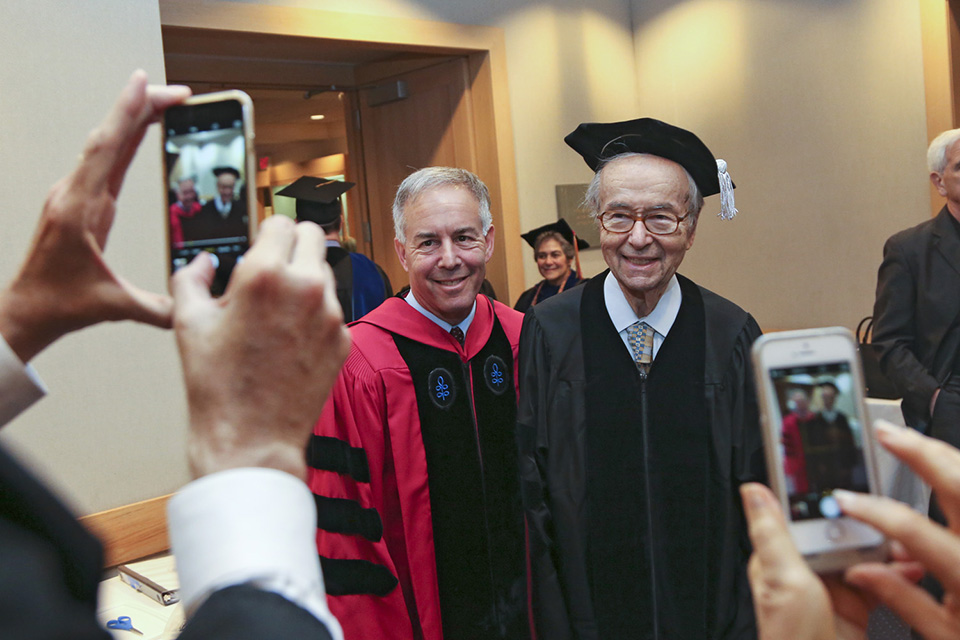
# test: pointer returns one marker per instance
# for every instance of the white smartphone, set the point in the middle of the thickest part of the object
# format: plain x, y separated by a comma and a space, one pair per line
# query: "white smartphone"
210, 179
817, 438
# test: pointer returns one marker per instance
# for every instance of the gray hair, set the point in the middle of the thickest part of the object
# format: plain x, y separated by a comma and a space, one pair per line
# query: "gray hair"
937, 151
591, 199
429, 178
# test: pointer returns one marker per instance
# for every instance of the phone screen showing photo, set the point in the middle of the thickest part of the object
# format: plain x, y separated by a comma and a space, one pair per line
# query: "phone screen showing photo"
205, 153
821, 437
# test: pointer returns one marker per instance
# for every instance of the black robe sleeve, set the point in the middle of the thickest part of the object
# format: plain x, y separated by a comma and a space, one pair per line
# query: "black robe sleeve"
748, 464
536, 383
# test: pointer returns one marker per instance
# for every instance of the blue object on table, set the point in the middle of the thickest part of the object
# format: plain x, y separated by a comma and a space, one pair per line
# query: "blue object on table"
123, 623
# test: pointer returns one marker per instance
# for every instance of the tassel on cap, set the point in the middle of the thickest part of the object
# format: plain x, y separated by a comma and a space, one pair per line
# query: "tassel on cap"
728, 208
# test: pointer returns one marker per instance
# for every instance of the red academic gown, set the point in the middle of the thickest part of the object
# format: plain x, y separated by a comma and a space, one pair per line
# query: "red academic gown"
414, 467
794, 460
177, 214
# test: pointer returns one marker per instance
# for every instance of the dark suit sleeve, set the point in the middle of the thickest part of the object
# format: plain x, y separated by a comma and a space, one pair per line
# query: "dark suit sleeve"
35, 601
49, 564
895, 327
247, 613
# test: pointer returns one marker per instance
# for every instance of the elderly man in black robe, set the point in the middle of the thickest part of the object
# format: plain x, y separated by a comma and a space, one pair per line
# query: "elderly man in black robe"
637, 416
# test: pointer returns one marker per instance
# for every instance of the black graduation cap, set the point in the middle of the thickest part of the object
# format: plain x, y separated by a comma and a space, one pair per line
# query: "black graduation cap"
219, 171
318, 199
561, 227
597, 142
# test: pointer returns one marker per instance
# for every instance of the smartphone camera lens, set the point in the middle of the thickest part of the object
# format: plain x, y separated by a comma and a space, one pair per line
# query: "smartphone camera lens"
829, 507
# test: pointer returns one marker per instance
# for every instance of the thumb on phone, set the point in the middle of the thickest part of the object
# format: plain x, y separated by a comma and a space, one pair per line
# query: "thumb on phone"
190, 286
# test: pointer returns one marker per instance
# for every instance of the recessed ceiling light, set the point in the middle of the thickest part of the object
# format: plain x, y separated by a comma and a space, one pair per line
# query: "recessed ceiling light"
318, 116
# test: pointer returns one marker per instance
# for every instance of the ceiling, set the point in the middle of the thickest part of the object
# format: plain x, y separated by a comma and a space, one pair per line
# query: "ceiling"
242, 45
277, 72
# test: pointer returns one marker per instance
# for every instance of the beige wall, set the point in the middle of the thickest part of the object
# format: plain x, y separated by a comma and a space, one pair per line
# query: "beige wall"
112, 430
818, 106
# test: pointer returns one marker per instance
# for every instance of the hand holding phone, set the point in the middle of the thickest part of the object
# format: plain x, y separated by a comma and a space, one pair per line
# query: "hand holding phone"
789, 598
817, 439
210, 179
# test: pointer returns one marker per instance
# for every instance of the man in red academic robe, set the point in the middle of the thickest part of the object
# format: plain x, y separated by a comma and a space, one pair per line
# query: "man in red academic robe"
186, 206
414, 461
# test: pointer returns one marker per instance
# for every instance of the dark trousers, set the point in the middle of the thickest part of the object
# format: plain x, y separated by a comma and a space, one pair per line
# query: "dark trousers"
944, 425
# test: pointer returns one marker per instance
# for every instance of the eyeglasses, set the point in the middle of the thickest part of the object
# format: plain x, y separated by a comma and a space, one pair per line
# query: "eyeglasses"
659, 223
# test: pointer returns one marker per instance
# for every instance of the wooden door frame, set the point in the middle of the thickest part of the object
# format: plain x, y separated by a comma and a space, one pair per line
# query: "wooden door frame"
483, 46
940, 36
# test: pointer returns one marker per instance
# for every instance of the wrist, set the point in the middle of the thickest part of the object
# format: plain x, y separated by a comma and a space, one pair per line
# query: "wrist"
27, 331
210, 450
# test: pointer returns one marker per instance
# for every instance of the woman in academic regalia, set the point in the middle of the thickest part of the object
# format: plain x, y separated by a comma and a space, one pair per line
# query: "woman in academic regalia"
556, 249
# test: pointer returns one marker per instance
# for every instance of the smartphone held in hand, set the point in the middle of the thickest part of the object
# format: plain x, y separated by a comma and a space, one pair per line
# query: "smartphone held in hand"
210, 180
817, 439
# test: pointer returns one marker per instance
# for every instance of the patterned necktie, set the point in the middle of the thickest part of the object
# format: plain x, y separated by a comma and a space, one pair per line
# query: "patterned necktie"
640, 337
457, 333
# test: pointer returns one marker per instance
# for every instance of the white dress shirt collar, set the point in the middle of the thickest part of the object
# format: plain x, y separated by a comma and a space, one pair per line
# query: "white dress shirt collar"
622, 314
443, 324
661, 318
223, 207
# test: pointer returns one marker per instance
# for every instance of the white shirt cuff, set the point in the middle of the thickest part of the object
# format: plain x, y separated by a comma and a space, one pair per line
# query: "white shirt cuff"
253, 526
20, 386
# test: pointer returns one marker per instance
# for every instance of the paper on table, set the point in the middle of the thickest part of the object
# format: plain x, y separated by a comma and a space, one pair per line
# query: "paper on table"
154, 620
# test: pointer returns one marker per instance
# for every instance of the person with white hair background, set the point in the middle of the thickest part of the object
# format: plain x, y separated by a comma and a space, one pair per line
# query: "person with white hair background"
916, 316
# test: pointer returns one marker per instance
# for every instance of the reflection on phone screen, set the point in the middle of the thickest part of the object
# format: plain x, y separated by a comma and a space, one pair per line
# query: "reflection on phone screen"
206, 162
821, 437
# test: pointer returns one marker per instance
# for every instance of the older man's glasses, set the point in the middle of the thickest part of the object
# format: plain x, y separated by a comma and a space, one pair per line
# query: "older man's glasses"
659, 223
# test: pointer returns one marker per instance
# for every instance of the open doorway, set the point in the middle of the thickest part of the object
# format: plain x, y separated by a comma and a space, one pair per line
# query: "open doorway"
362, 111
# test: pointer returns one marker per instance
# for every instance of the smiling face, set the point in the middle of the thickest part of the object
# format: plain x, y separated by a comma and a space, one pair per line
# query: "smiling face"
801, 402
187, 193
828, 395
643, 263
445, 251
225, 184
552, 261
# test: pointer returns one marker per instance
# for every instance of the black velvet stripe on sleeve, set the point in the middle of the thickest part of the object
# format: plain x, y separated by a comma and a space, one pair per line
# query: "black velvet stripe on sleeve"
333, 454
338, 515
356, 577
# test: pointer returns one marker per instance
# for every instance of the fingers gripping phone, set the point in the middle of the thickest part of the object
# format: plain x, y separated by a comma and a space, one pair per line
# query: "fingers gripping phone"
210, 180
817, 439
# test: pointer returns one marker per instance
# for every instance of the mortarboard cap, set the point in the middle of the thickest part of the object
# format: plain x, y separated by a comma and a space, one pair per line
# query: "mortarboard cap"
219, 171
561, 227
598, 142
318, 199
